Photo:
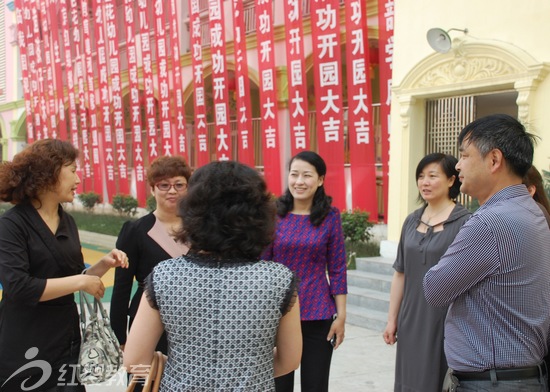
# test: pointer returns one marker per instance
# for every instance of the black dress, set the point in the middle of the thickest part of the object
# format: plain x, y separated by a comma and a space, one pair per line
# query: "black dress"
32, 331
144, 253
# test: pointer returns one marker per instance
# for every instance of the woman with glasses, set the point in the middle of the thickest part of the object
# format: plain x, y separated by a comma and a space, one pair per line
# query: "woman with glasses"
425, 236
149, 240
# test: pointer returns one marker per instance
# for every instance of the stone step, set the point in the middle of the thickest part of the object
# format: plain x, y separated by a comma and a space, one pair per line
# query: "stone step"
369, 280
379, 265
366, 318
368, 299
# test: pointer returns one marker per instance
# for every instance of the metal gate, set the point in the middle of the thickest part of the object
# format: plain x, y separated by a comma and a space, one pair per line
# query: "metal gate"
445, 118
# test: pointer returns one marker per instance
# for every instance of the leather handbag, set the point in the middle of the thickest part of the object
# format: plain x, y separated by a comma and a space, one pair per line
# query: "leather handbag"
150, 382
100, 355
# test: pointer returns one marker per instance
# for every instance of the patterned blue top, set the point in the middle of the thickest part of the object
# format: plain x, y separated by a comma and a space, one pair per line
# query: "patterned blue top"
496, 278
312, 252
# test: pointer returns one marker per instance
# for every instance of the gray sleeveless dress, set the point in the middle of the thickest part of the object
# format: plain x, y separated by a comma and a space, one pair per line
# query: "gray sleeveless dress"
221, 319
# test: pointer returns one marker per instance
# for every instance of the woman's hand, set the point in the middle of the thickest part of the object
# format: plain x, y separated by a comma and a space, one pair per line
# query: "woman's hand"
92, 285
337, 328
390, 333
115, 258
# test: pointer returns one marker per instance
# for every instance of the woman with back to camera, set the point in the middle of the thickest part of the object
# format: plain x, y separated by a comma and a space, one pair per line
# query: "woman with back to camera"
149, 240
309, 241
224, 310
425, 236
41, 266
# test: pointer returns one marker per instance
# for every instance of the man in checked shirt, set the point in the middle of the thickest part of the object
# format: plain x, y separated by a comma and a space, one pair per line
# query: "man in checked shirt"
496, 274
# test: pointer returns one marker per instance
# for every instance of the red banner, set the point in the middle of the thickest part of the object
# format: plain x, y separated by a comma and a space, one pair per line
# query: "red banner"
201, 132
135, 107
40, 110
49, 88
244, 115
73, 117
23, 18
179, 122
147, 69
59, 98
219, 80
328, 95
92, 106
297, 83
268, 95
162, 78
116, 95
385, 47
80, 63
360, 130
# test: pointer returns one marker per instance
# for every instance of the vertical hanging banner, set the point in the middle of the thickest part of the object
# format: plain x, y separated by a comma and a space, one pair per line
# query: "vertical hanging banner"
22, 17
59, 98
219, 80
297, 87
244, 114
33, 73
116, 95
268, 95
360, 130
385, 48
73, 117
147, 69
178, 124
49, 89
135, 107
97, 164
328, 94
200, 130
162, 78
103, 139
40, 119
80, 62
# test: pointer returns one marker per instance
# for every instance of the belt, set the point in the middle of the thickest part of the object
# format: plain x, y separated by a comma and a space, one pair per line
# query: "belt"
503, 374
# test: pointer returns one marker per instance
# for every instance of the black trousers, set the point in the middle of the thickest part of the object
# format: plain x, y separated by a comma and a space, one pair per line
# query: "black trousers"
316, 358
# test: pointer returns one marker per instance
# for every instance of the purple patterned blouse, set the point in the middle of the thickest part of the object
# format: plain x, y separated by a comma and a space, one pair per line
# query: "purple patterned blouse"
312, 252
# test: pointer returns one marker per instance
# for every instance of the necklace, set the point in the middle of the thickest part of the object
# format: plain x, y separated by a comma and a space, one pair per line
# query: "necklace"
429, 218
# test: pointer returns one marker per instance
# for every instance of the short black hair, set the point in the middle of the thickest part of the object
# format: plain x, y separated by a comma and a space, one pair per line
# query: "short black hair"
504, 133
227, 211
448, 164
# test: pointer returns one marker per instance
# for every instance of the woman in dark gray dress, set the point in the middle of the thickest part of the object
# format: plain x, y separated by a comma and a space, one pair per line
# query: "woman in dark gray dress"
425, 236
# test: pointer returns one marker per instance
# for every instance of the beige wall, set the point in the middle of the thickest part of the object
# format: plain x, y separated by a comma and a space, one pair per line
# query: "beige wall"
506, 48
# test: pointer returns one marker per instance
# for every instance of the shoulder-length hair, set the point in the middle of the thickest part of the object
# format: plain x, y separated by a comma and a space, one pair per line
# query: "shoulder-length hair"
35, 170
321, 201
448, 166
227, 211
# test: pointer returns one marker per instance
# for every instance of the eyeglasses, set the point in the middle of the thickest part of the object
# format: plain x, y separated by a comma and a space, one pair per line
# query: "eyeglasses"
166, 186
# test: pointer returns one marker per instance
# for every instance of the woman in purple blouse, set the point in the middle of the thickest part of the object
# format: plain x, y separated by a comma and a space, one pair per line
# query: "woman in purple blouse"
309, 241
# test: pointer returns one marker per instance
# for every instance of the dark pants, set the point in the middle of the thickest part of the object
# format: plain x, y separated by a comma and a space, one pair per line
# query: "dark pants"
316, 357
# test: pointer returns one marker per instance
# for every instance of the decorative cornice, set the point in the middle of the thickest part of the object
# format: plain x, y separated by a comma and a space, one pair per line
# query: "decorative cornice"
465, 69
